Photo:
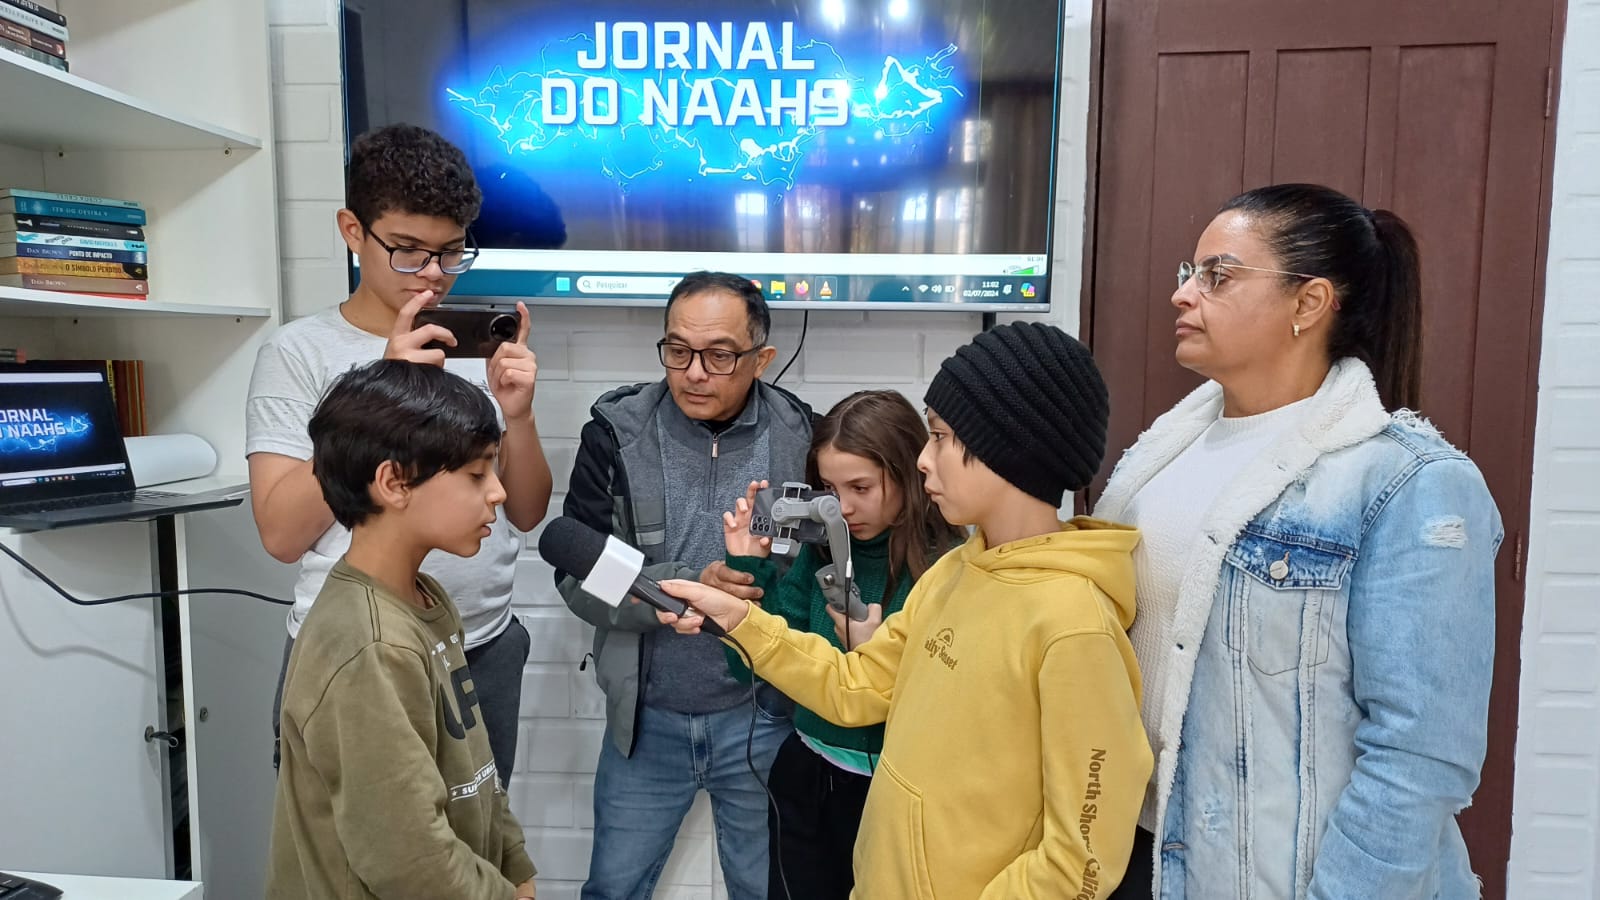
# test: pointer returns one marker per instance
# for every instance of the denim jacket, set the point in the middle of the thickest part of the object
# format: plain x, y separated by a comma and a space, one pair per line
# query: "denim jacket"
1329, 662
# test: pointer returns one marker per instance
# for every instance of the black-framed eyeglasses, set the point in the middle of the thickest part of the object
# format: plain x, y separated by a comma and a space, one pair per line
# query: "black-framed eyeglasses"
715, 360
1205, 274
410, 260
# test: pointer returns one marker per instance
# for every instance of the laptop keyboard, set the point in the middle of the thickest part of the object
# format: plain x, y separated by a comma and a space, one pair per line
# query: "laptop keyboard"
90, 500
15, 887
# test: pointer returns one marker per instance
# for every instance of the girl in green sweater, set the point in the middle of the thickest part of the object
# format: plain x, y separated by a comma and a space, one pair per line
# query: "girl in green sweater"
865, 451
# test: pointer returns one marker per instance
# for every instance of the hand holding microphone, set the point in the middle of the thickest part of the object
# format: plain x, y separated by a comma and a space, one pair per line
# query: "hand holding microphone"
709, 609
611, 570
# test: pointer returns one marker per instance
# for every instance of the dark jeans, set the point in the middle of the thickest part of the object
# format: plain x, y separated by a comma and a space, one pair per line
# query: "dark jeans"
496, 668
820, 806
1139, 883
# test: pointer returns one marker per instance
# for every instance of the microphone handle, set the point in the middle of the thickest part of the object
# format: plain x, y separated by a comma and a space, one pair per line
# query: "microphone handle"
650, 592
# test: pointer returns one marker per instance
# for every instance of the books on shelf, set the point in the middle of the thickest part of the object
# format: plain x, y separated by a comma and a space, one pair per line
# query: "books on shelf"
79, 284
73, 243
11, 223
35, 31
126, 378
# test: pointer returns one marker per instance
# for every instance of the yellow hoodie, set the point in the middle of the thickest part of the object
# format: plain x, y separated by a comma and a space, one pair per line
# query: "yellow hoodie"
1014, 762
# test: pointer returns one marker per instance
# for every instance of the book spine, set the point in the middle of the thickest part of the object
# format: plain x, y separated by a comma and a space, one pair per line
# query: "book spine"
49, 45
38, 56
27, 37
17, 265
30, 20
10, 223
38, 207
85, 285
124, 397
48, 251
141, 417
83, 199
43, 12
94, 243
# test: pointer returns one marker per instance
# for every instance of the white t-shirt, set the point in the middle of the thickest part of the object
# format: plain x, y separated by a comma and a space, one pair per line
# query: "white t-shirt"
1170, 512
294, 368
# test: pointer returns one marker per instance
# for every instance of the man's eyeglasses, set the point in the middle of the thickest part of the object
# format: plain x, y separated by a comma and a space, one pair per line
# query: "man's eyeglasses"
715, 360
410, 260
1205, 274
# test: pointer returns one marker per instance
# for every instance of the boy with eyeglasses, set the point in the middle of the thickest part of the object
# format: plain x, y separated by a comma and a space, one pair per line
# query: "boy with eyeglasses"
655, 467
409, 197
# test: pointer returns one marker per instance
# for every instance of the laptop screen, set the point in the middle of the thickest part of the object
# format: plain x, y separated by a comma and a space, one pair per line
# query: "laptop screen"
58, 433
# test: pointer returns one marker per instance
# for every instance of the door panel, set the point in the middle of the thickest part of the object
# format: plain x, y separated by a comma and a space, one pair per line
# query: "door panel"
1434, 109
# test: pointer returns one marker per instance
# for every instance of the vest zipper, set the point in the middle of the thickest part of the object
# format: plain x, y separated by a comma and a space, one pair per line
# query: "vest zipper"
711, 484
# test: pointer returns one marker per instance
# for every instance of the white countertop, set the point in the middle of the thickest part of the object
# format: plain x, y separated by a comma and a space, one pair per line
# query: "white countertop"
96, 887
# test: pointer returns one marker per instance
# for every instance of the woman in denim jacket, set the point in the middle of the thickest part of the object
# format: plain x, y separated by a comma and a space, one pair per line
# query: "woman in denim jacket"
1316, 581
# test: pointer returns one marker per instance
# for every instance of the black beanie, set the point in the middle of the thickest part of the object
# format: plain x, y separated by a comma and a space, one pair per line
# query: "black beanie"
1027, 399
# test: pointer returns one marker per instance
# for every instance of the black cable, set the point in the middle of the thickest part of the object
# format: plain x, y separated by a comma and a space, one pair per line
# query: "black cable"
750, 760
805, 324
849, 646
149, 595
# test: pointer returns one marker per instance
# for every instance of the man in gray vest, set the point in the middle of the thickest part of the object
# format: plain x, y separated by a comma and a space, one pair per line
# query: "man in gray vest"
657, 466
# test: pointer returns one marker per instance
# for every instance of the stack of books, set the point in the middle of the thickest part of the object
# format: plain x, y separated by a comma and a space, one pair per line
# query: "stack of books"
73, 243
35, 31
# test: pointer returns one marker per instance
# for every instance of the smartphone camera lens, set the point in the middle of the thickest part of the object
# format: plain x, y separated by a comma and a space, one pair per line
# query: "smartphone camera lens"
503, 327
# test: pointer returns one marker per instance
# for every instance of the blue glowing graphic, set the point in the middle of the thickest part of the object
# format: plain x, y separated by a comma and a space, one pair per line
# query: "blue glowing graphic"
715, 109
41, 431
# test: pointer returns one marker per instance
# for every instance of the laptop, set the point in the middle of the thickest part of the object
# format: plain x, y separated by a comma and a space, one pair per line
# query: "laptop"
62, 460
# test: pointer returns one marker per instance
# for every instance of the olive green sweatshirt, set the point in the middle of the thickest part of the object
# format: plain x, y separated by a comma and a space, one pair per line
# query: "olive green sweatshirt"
387, 788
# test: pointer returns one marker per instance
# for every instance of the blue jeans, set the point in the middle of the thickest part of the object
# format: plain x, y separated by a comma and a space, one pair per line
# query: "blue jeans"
640, 800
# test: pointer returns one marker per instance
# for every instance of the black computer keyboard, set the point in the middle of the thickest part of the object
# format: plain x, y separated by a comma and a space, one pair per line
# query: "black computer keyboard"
15, 887
81, 502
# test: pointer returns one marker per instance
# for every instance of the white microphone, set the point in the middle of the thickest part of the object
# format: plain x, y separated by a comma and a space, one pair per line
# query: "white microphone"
608, 569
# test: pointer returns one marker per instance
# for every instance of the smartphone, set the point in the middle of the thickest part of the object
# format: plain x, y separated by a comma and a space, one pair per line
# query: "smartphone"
479, 332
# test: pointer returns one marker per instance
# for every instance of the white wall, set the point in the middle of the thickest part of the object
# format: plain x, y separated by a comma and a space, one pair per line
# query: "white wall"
1556, 822
583, 353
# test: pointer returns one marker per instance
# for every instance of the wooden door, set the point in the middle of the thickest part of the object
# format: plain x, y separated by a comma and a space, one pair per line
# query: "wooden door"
1436, 109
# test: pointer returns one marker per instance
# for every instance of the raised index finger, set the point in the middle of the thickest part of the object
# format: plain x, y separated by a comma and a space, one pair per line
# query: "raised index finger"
405, 320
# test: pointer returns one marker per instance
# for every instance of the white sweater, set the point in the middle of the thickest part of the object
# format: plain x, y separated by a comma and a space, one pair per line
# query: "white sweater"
1169, 512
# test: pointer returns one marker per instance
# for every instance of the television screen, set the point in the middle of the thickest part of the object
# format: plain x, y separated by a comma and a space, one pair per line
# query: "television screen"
840, 153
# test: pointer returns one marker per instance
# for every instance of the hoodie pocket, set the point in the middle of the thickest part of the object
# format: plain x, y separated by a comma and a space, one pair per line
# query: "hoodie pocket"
894, 842
1282, 594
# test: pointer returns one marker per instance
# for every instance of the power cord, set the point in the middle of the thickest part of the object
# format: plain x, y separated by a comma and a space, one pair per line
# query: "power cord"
750, 760
805, 325
148, 595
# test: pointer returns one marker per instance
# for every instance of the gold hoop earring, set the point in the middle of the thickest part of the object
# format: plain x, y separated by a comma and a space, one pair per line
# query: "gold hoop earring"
1297, 329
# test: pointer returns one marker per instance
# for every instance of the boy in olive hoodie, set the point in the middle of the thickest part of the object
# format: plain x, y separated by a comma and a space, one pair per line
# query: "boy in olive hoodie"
1014, 762
388, 787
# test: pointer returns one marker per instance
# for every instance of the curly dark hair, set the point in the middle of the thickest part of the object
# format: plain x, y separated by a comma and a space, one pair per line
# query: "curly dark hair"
408, 169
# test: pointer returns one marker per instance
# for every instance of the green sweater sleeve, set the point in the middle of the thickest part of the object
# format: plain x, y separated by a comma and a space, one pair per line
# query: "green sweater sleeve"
790, 597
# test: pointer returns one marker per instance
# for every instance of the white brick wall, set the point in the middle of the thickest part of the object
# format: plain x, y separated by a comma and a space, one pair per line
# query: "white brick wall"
1556, 821
583, 353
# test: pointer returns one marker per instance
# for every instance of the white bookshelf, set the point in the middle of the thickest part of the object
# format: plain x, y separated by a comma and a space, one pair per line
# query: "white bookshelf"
53, 304
168, 103
42, 108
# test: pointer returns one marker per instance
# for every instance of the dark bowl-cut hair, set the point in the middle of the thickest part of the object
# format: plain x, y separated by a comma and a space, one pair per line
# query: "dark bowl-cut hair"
410, 170
422, 418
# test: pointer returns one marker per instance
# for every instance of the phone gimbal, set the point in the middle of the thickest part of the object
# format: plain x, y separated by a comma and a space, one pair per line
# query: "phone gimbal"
795, 514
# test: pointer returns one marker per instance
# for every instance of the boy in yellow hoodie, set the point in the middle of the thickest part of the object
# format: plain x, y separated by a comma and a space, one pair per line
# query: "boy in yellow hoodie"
1014, 762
